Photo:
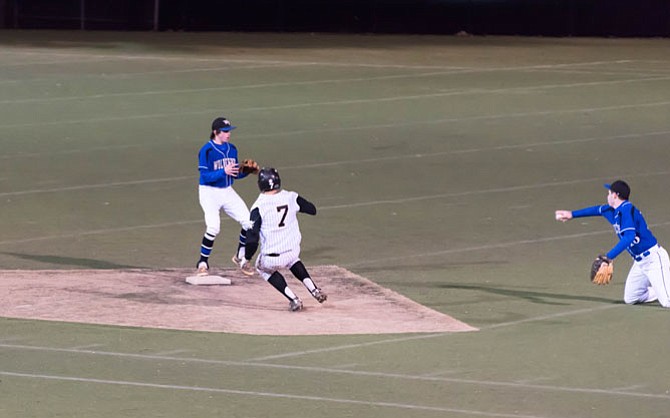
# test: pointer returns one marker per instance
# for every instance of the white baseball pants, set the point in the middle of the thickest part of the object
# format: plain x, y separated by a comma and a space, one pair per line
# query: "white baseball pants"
266, 265
214, 199
649, 279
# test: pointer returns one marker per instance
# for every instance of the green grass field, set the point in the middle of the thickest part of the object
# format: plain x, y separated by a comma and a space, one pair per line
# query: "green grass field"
436, 163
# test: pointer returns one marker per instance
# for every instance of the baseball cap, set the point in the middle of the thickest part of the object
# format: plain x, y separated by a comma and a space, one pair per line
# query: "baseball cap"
619, 187
222, 124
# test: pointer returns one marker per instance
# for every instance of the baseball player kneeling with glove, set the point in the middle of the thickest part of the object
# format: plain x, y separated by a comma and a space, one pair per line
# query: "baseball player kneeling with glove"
649, 277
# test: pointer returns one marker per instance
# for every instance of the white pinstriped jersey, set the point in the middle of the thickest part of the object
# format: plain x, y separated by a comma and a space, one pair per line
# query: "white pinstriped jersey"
279, 232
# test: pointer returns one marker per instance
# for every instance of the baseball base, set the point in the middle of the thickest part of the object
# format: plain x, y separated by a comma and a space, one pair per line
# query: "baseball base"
208, 280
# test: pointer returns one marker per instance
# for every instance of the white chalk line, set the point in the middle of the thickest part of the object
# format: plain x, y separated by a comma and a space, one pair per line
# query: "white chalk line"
487, 191
71, 151
114, 76
228, 60
360, 101
332, 163
435, 335
103, 231
213, 89
350, 80
622, 72
258, 363
81, 60
361, 204
97, 186
450, 71
264, 394
88, 346
378, 159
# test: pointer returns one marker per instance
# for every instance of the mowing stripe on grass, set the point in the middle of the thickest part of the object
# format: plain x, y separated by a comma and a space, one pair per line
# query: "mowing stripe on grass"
359, 101
256, 363
263, 394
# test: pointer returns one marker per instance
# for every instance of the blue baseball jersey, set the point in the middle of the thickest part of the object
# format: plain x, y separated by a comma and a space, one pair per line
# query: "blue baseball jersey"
212, 159
629, 226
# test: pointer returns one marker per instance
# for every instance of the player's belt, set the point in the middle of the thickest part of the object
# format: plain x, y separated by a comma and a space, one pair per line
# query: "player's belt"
645, 254
642, 256
272, 255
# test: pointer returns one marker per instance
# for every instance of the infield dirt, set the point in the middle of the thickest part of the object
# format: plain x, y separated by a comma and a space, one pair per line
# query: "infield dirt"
162, 299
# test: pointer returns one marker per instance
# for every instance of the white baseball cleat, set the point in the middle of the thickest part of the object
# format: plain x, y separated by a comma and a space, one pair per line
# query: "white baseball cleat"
295, 305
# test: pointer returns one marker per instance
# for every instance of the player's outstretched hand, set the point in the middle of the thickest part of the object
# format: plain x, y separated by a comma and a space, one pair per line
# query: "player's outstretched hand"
232, 169
563, 215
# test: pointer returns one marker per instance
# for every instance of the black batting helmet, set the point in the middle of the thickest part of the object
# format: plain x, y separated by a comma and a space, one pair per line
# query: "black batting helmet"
268, 179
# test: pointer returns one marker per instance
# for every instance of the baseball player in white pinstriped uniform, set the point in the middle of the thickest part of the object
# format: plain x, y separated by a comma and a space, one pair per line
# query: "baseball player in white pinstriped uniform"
275, 224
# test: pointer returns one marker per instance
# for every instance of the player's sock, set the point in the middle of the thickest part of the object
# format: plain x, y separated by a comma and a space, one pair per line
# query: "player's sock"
206, 247
300, 272
242, 244
278, 282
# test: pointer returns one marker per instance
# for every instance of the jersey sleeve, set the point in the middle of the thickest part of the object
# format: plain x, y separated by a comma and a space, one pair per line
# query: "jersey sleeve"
627, 238
306, 206
590, 211
626, 233
253, 234
207, 174
203, 155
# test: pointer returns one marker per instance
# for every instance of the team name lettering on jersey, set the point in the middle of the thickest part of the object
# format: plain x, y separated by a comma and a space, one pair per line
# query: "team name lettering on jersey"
220, 164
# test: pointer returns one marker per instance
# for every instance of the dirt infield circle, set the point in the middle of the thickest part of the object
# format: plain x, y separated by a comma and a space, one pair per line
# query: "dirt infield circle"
162, 299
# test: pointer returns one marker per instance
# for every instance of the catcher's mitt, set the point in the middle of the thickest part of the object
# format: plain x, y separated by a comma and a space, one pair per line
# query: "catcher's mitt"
249, 166
601, 270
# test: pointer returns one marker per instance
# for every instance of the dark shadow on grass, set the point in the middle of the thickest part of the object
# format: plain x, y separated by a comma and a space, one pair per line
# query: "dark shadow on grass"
426, 266
71, 261
544, 298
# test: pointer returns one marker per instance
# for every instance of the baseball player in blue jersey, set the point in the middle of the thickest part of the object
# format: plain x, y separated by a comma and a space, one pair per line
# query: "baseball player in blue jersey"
275, 224
219, 168
649, 277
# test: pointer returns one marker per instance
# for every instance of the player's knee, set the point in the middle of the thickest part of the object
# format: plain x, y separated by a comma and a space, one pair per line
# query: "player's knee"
632, 299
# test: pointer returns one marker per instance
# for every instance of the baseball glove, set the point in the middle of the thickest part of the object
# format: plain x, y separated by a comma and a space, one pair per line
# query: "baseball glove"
601, 270
249, 166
